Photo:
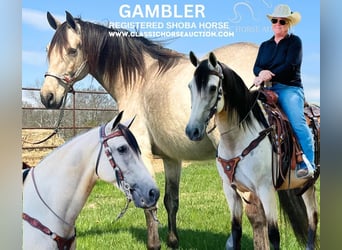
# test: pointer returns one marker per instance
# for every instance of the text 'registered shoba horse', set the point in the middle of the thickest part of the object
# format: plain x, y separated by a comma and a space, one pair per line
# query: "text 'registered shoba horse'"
218, 90
56, 190
146, 80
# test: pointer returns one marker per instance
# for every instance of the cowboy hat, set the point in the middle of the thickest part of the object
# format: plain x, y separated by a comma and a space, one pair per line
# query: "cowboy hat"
284, 11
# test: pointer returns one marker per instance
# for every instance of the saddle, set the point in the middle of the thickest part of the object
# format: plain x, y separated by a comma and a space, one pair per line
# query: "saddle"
286, 149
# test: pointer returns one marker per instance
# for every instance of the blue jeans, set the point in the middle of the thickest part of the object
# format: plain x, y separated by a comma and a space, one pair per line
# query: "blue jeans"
291, 100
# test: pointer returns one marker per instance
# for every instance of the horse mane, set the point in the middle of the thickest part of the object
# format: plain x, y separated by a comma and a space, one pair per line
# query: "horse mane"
118, 53
239, 98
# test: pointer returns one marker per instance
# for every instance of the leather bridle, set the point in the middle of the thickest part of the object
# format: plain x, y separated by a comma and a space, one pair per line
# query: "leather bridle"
213, 109
65, 243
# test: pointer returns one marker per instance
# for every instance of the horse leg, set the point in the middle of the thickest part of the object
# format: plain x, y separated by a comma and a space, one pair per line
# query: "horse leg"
171, 199
153, 241
235, 205
256, 216
309, 198
268, 200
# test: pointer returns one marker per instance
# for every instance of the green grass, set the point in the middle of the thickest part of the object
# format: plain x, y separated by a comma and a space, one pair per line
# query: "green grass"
203, 216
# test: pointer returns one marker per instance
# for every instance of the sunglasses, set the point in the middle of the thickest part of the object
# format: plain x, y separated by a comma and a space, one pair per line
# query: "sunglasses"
281, 21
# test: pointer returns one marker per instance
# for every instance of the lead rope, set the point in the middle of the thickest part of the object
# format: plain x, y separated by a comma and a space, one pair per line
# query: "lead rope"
57, 127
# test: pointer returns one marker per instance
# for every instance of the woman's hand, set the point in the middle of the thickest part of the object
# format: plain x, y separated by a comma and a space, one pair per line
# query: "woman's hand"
266, 75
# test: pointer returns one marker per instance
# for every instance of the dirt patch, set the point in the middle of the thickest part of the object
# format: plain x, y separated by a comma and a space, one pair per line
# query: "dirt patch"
34, 153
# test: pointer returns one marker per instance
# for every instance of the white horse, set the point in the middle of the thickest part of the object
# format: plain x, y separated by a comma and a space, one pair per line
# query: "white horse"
146, 80
55, 191
244, 156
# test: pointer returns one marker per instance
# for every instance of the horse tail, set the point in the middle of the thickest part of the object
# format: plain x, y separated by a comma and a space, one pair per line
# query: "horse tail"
293, 209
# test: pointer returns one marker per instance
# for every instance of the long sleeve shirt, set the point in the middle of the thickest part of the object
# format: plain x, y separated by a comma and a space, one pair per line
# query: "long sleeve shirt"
283, 59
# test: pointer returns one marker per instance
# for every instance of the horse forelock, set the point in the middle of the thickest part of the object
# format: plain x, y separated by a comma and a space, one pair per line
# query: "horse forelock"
201, 75
59, 40
109, 55
130, 138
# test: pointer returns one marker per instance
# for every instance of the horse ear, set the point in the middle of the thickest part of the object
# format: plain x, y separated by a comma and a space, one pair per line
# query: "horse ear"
70, 20
117, 120
54, 23
129, 122
193, 59
212, 59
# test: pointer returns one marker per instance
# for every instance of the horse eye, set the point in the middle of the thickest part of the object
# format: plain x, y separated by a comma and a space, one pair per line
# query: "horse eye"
72, 51
122, 149
212, 89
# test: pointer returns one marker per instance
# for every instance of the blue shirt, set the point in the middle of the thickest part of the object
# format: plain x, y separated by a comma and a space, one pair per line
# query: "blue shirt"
283, 59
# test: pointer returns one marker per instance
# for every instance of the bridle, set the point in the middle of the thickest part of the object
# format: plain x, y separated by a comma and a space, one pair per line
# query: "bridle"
65, 243
122, 184
213, 109
120, 180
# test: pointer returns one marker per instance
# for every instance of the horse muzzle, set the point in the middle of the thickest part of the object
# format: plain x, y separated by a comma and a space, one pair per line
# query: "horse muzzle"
145, 199
50, 102
194, 133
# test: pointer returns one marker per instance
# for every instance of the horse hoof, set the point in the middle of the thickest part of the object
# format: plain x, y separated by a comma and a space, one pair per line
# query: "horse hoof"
154, 247
172, 241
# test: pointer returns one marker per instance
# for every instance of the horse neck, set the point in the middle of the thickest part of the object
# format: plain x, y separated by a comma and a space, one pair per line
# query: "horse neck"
234, 136
64, 180
123, 93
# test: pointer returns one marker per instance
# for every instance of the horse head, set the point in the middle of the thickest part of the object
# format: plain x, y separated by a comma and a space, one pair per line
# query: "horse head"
67, 61
206, 95
120, 152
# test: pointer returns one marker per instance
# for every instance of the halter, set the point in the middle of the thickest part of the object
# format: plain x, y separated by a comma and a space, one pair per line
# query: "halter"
67, 83
67, 80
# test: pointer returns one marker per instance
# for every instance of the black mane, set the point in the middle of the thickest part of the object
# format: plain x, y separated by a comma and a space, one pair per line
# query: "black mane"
115, 54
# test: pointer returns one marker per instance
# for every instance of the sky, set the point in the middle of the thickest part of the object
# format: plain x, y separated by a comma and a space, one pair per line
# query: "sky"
240, 21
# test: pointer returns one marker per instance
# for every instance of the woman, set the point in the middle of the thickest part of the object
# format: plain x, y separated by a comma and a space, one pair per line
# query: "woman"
278, 65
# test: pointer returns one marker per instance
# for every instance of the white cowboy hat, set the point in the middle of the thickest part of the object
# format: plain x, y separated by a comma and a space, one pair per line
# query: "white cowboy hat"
284, 11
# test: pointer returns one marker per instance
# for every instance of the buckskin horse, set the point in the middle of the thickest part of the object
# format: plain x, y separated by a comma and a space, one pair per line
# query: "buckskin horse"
146, 80
245, 159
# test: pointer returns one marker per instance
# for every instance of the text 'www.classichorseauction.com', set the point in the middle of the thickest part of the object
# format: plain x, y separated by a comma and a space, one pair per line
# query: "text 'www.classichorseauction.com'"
161, 26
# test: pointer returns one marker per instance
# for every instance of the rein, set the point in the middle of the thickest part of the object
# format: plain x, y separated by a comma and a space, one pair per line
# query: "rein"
41, 198
62, 243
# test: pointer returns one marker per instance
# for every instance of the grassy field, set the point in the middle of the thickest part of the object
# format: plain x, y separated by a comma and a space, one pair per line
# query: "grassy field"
203, 216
